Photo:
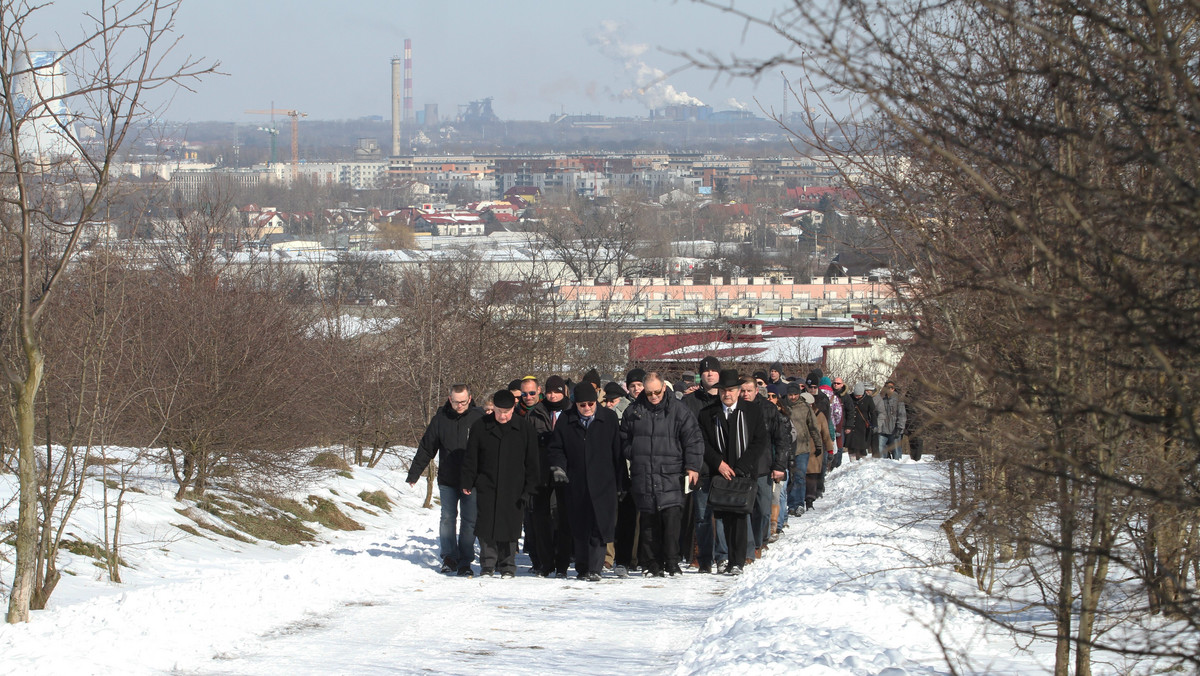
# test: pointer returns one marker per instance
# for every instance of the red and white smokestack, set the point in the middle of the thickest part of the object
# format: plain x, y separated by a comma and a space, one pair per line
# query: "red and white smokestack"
408, 97
396, 112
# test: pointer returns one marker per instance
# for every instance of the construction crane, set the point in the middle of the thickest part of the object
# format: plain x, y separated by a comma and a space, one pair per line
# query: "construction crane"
295, 115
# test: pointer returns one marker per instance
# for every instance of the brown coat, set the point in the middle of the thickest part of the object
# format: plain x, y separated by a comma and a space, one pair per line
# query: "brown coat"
816, 460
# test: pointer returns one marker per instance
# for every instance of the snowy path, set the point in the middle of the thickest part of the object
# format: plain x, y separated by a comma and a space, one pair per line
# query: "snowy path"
842, 593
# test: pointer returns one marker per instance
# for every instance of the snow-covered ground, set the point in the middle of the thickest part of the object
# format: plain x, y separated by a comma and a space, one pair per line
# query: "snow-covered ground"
843, 592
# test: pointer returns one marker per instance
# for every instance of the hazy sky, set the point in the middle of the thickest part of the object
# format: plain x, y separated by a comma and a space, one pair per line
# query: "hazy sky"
332, 60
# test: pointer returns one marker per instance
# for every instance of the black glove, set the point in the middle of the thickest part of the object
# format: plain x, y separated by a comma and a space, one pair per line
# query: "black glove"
521, 502
558, 476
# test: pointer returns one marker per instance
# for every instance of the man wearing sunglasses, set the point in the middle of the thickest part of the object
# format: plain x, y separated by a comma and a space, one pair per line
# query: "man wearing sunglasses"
662, 442
585, 456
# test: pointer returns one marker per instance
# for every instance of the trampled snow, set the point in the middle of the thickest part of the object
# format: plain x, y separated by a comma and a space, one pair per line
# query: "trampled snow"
843, 592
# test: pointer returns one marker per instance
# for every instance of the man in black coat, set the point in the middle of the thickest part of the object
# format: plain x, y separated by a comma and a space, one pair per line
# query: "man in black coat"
585, 454
548, 534
772, 464
446, 437
735, 436
501, 470
660, 439
697, 518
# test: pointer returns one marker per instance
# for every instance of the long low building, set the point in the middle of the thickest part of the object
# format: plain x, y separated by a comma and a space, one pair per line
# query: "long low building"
655, 298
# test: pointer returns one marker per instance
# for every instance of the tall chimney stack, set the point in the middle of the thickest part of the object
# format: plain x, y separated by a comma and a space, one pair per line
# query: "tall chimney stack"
397, 71
408, 98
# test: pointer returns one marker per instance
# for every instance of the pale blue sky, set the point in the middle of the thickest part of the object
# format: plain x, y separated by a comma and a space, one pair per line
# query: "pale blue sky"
534, 57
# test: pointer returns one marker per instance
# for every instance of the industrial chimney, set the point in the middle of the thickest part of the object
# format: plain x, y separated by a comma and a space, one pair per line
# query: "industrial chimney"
397, 74
408, 99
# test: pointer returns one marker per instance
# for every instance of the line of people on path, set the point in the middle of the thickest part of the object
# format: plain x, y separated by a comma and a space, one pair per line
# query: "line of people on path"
620, 478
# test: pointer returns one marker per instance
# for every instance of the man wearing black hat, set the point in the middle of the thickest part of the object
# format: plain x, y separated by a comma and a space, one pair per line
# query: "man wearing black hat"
446, 437
585, 454
735, 436
500, 469
698, 521
634, 385
548, 538
663, 445
775, 382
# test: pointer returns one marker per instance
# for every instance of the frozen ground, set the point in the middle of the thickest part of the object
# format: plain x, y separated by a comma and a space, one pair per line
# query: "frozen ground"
841, 593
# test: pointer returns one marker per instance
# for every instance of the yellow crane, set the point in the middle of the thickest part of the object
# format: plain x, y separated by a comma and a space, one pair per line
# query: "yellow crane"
295, 115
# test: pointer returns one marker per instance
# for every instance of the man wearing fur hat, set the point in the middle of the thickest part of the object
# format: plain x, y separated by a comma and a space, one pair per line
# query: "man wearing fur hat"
500, 469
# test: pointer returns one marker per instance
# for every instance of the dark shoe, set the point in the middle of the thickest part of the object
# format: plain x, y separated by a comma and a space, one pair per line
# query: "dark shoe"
449, 565
660, 573
592, 577
674, 570
735, 571
706, 570
466, 571
562, 575
487, 572
507, 574
536, 572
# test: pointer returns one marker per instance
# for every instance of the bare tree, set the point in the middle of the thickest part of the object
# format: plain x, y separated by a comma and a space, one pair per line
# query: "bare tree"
54, 177
1032, 164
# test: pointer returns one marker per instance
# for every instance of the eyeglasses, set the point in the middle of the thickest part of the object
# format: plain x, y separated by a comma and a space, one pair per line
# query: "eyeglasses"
529, 394
585, 403
464, 402
837, 383
655, 393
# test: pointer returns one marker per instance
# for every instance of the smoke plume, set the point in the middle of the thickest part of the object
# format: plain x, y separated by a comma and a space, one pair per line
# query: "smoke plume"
649, 83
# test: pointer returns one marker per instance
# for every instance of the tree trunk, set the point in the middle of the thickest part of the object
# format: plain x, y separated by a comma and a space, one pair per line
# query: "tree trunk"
21, 597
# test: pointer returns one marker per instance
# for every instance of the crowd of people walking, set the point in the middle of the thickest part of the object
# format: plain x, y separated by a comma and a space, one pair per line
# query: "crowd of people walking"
652, 475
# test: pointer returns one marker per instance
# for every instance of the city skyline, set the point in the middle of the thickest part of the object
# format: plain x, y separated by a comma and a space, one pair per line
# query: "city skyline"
333, 61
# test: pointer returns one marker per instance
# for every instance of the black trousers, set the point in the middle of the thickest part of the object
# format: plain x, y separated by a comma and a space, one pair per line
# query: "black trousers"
552, 543
737, 528
660, 539
626, 533
498, 556
687, 528
590, 547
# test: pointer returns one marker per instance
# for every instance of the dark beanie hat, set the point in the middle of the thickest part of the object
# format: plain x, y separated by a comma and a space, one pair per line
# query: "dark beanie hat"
592, 376
613, 391
635, 376
515, 385
584, 392
760, 375
503, 399
814, 377
794, 388
556, 384
708, 364
776, 366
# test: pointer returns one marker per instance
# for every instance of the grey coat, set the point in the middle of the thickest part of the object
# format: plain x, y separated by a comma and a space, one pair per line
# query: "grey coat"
890, 416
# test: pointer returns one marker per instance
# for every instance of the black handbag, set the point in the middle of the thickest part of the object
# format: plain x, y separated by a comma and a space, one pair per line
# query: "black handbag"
735, 495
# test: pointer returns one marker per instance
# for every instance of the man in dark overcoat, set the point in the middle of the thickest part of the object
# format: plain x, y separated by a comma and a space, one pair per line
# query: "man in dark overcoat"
585, 454
735, 436
501, 469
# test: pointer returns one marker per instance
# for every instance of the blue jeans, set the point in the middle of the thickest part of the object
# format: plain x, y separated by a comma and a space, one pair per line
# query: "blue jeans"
889, 446
781, 501
797, 484
459, 546
705, 527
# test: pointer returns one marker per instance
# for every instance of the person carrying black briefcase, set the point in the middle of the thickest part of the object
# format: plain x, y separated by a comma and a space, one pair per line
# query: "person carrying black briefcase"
734, 437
